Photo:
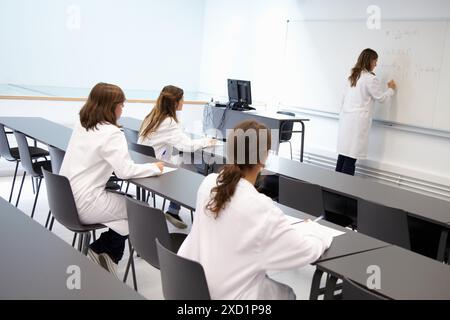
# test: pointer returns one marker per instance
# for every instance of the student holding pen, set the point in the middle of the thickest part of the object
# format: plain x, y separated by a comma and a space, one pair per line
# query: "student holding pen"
162, 131
239, 234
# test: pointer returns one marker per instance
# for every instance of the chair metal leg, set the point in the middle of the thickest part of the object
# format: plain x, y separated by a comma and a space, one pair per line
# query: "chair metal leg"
192, 216
85, 244
290, 146
128, 185
20, 189
94, 235
154, 200
36, 197
127, 269
164, 205
51, 224
13, 182
74, 239
32, 183
49, 217
131, 263
80, 241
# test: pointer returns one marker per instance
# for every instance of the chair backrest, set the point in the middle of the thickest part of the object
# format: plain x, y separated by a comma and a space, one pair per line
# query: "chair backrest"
57, 158
300, 195
131, 135
286, 126
24, 153
5, 149
353, 291
61, 201
145, 225
384, 223
182, 279
140, 148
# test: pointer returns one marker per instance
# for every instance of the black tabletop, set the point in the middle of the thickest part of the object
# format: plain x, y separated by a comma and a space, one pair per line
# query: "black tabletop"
43, 130
36, 264
403, 274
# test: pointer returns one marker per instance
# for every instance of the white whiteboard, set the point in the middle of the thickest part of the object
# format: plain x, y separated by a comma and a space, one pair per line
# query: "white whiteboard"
416, 54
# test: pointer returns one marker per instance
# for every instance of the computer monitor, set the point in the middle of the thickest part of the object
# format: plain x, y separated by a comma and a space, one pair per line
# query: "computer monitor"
239, 93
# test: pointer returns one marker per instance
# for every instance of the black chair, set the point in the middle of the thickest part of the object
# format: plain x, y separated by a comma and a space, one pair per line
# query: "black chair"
131, 135
182, 279
64, 210
12, 154
353, 291
300, 195
34, 169
384, 223
145, 225
286, 130
56, 158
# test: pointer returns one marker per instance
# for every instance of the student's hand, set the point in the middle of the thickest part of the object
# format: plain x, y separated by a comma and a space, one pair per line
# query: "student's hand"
160, 166
392, 85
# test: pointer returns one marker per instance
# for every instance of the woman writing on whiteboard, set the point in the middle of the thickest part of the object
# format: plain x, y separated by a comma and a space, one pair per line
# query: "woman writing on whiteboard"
356, 114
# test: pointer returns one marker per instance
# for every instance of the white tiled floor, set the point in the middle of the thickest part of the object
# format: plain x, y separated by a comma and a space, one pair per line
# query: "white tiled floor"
149, 282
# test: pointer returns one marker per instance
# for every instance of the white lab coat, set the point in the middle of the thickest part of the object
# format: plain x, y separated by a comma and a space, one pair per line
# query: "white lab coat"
168, 135
356, 115
91, 157
250, 237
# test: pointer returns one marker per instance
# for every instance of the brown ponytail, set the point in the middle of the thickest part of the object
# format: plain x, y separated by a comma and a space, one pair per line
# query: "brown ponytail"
166, 106
363, 64
254, 153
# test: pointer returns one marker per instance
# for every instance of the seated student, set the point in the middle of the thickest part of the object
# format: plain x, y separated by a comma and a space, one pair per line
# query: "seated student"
162, 131
239, 234
96, 149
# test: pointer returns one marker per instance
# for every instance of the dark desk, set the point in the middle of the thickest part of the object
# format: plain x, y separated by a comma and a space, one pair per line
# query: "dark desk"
179, 186
40, 129
221, 119
424, 207
34, 264
404, 275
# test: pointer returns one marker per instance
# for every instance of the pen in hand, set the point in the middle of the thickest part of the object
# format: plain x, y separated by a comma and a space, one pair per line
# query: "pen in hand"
306, 220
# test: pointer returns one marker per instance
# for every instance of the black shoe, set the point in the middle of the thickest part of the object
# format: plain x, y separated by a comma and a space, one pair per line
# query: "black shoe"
175, 220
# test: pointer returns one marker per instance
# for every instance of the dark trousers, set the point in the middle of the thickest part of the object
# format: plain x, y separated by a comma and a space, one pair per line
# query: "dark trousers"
346, 165
111, 243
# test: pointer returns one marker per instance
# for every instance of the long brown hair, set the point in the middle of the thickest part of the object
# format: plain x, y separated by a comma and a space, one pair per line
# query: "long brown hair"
363, 64
100, 106
238, 163
166, 106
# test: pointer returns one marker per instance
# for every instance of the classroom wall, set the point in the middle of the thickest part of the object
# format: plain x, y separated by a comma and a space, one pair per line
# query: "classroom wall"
245, 39
137, 44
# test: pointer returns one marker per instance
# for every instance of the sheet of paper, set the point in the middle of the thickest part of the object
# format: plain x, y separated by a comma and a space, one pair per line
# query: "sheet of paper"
293, 220
316, 228
168, 169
